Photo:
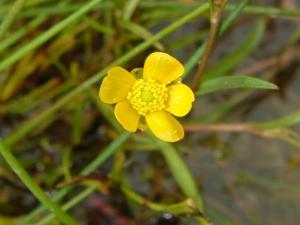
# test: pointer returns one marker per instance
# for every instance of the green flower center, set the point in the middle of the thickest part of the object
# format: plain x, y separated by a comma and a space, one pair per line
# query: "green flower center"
147, 96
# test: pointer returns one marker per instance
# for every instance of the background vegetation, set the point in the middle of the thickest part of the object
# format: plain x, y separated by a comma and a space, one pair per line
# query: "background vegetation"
65, 160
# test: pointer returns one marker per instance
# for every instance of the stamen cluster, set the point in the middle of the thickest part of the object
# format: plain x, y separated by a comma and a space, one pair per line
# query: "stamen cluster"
147, 96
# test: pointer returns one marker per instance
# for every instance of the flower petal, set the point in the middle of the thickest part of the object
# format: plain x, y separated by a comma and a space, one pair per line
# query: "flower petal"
116, 85
180, 99
165, 126
162, 68
127, 116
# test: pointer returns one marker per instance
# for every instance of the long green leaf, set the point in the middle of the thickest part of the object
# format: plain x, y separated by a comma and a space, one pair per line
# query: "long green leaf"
233, 82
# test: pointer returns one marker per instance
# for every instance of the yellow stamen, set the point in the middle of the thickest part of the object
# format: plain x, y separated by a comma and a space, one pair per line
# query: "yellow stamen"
147, 96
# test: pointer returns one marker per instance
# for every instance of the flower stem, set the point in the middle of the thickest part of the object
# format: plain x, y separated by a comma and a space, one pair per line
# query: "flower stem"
217, 12
33, 187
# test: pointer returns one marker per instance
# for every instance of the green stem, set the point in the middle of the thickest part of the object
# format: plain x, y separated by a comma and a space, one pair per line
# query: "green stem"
33, 187
5, 25
215, 20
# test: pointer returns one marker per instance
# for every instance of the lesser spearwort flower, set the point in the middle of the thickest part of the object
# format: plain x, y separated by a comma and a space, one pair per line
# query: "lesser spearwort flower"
155, 96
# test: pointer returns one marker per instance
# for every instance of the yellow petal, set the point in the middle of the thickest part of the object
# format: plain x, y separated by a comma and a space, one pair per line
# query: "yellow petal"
165, 126
116, 85
162, 68
180, 99
127, 116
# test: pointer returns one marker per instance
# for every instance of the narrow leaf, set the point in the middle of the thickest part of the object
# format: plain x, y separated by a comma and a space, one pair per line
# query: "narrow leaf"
233, 82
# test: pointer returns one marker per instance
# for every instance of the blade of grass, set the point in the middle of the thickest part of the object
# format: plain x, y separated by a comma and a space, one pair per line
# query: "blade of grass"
27, 126
33, 187
233, 82
46, 35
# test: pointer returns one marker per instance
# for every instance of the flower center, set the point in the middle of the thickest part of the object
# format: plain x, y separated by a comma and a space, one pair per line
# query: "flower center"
147, 96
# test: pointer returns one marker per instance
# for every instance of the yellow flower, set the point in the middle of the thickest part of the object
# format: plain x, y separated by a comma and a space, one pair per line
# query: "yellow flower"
154, 96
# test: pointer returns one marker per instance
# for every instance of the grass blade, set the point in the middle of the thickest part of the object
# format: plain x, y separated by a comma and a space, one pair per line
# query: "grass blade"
234, 82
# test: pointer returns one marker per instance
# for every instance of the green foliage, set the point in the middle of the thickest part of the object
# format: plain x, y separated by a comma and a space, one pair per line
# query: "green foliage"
233, 82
